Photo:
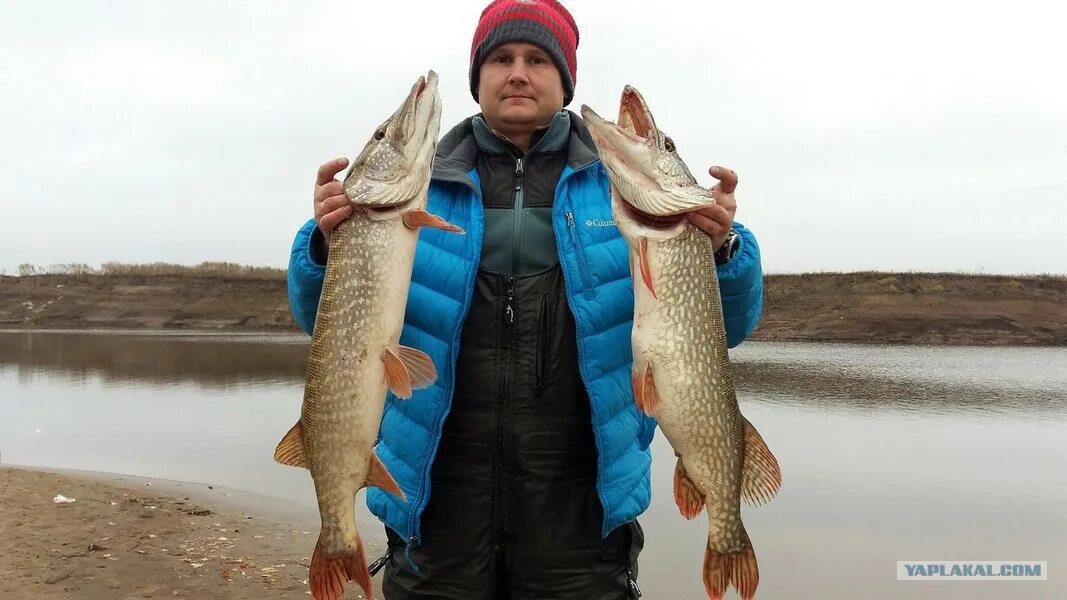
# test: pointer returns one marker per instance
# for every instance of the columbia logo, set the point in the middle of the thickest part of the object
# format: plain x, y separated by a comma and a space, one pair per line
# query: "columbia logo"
600, 223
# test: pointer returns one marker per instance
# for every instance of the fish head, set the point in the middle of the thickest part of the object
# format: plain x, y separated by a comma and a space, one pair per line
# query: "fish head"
394, 167
652, 186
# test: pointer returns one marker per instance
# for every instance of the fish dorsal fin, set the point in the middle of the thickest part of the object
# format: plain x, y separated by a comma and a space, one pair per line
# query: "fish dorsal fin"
290, 451
420, 367
761, 477
379, 476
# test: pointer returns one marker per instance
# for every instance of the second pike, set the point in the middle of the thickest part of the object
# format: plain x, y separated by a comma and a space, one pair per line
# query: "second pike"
355, 352
681, 370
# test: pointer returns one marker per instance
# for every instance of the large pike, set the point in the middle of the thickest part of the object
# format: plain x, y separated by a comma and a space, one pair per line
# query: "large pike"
681, 370
355, 353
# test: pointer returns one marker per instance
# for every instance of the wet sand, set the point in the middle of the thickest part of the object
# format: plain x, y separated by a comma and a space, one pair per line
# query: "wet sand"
127, 537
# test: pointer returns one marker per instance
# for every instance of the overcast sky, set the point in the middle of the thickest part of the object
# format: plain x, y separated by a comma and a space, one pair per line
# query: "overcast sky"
904, 135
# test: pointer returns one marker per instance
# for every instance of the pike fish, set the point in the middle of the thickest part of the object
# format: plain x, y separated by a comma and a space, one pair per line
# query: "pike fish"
681, 370
355, 352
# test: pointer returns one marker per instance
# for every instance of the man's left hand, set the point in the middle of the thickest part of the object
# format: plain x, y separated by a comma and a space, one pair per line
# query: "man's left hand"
717, 220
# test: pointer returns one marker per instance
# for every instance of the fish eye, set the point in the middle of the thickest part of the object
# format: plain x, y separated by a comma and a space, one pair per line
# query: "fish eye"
380, 134
668, 144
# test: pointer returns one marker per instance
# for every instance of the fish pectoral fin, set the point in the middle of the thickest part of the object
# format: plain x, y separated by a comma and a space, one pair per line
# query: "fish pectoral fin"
420, 218
761, 476
379, 476
686, 495
290, 451
396, 375
645, 394
646, 269
420, 367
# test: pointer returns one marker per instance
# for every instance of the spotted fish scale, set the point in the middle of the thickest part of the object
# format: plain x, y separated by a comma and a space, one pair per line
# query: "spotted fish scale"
355, 355
680, 336
681, 368
346, 384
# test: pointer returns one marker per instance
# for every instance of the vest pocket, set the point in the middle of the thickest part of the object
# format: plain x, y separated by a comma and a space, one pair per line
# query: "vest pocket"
583, 269
544, 342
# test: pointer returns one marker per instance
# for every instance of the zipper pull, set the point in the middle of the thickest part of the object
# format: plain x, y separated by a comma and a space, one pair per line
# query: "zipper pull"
518, 166
378, 564
635, 590
407, 553
570, 220
509, 310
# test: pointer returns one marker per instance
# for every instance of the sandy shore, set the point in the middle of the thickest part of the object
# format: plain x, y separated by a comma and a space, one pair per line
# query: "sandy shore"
127, 537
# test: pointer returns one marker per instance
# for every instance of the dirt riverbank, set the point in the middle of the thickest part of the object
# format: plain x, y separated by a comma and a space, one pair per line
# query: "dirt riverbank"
918, 308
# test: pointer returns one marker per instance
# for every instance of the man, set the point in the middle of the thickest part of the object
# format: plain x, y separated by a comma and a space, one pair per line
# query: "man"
526, 465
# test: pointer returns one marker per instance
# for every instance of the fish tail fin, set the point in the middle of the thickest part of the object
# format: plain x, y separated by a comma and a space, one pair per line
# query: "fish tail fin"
328, 575
737, 568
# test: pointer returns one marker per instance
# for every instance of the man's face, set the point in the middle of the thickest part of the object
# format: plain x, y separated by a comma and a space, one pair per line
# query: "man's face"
519, 86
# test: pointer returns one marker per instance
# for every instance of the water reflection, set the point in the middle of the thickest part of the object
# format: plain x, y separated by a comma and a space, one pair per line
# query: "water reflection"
833, 389
888, 452
850, 377
210, 361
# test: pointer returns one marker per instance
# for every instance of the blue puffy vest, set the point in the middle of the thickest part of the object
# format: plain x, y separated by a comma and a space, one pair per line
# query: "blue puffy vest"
594, 259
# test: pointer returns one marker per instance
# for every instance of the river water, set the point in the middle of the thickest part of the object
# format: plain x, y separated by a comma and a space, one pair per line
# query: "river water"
888, 453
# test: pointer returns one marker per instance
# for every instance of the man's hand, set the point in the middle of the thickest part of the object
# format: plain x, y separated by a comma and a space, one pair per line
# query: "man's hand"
331, 204
717, 220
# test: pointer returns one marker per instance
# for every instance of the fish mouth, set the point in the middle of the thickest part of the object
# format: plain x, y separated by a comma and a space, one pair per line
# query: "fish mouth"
627, 151
635, 120
634, 116
394, 167
421, 114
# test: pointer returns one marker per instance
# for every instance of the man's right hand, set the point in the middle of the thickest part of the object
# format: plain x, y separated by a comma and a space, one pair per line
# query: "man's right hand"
331, 204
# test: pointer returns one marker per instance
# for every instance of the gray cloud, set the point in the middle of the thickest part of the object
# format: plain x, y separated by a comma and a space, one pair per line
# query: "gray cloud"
910, 136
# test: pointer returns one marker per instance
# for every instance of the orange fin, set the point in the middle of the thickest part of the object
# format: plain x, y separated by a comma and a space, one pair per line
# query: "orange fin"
396, 374
645, 393
379, 476
290, 451
737, 568
761, 476
646, 269
420, 218
327, 576
420, 367
686, 495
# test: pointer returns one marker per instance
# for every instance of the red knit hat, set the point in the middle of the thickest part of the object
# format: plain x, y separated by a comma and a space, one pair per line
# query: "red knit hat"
544, 23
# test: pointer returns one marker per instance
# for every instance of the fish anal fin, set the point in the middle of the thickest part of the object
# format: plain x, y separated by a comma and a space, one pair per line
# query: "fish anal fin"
645, 267
420, 218
396, 374
379, 476
737, 568
290, 451
761, 476
686, 495
327, 575
420, 367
